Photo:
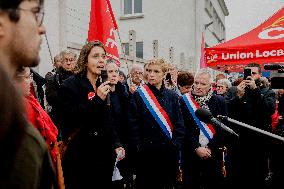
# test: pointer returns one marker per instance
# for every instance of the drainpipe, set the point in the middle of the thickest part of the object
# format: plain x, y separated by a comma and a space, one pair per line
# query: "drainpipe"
62, 25
195, 35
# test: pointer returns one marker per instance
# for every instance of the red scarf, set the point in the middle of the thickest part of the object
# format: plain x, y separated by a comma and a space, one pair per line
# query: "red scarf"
41, 120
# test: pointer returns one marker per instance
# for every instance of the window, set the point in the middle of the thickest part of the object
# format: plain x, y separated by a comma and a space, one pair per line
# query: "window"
128, 6
132, 6
126, 48
139, 49
137, 6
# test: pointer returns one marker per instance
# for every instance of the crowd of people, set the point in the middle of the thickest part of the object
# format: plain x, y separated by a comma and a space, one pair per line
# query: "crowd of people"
86, 124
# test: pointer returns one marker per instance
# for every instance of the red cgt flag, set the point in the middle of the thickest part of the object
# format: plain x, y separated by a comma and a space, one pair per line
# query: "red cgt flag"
103, 27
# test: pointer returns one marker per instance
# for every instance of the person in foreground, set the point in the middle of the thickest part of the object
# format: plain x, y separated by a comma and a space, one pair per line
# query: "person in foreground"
25, 160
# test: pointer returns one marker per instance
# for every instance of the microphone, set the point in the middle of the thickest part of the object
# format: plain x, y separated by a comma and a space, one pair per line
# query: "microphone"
108, 100
273, 66
207, 117
251, 127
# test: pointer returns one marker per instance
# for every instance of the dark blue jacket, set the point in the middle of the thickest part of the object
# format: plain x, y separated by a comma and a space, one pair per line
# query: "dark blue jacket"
144, 127
119, 110
217, 106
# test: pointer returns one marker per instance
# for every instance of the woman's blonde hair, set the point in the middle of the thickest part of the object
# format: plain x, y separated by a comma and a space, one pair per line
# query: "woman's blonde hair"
159, 62
81, 67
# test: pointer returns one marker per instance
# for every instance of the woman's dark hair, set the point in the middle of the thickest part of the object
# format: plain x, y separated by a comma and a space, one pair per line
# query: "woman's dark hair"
185, 78
11, 7
81, 67
12, 119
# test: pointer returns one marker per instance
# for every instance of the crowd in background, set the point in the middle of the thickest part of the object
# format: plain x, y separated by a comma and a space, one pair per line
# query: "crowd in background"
223, 161
86, 124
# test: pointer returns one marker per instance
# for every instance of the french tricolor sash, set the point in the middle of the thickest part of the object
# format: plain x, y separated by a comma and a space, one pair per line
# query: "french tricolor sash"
156, 110
206, 129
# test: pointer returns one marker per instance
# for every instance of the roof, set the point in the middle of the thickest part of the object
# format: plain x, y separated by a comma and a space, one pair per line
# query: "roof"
263, 44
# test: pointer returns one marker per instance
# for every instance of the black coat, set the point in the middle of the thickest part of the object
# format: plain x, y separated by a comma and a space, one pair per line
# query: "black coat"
254, 108
52, 88
250, 153
119, 109
193, 165
217, 106
89, 157
40, 81
143, 125
157, 157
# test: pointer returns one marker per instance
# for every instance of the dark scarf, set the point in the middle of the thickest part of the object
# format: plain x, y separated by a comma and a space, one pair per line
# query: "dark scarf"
202, 101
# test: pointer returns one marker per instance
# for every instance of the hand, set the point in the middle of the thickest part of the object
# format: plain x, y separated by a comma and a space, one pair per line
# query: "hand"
241, 89
166, 83
250, 83
203, 152
121, 151
103, 90
132, 88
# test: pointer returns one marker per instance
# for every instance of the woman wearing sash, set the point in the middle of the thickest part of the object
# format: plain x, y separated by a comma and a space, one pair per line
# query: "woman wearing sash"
157, 130
202, 156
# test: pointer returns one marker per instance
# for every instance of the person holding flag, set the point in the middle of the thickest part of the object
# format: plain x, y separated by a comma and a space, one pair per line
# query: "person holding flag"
157, 130
203, 161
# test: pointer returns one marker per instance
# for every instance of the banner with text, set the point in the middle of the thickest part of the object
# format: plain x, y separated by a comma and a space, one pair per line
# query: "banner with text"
264, 44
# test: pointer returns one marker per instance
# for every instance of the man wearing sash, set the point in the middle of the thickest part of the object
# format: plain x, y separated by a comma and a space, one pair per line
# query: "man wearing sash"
202, 157
157, 130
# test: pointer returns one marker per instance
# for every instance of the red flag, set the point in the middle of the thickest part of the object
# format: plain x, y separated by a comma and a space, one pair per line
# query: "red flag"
202, 54
103, 27
112, 15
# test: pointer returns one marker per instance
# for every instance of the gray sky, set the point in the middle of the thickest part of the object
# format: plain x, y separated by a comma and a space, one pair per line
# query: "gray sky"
245, 15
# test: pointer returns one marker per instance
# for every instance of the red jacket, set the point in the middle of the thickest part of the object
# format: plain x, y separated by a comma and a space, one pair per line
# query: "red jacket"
41, 120
275, 118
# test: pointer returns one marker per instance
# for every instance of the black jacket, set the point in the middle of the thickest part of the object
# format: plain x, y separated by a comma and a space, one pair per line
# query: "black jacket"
144, 127
119, 111
91, 153
254, 108
77, 111
53, 84
156, 160
217, 106
40, 82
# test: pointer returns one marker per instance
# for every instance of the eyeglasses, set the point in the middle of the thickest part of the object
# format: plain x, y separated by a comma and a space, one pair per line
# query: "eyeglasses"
38, 14
138, 73
69, 59
221, 87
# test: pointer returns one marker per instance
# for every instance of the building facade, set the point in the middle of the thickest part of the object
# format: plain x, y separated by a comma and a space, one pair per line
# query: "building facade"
147, 28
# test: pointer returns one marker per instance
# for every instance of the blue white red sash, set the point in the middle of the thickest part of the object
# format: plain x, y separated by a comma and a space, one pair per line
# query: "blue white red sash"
206, 129
156, 110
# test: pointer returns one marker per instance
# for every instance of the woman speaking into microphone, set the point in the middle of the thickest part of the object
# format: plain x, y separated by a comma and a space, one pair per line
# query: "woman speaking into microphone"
87, 123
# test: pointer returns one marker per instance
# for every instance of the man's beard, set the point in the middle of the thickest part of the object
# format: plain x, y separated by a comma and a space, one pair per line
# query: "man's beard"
19, 58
